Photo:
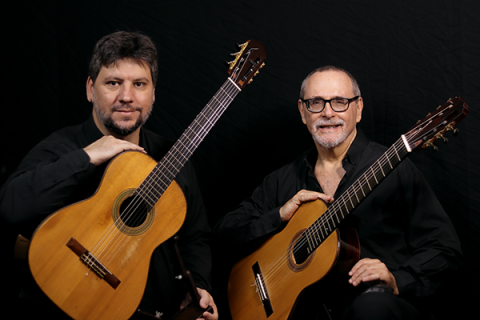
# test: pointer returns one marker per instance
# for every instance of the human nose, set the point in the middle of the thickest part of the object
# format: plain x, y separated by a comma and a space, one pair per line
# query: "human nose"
327, 110
126, 93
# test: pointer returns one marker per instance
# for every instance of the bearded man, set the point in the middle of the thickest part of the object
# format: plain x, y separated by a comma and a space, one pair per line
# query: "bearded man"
68, 165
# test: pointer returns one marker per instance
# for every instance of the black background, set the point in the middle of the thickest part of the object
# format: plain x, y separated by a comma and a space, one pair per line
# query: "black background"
408, 56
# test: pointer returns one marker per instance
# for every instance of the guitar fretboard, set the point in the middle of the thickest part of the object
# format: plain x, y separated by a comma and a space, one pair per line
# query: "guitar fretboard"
167, 169
352, 197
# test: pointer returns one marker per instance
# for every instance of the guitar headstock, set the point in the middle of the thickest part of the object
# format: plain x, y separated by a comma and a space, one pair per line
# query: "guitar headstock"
247, 63
436, 124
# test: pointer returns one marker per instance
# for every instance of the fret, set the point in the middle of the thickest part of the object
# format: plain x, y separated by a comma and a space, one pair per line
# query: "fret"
344, 204
163, 174
186, 149
329, 228
322, 230
338, 219
356, 195
310, 247
373, 172
388, 159
361, 185
383, 173
164, 165
341, 211
369, 186
395, 149
178, 152
350, 198
231, 98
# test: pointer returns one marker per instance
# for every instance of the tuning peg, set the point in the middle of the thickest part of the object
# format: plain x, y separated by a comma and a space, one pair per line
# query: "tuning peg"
454, 130
429, 144
440, 136
242, 45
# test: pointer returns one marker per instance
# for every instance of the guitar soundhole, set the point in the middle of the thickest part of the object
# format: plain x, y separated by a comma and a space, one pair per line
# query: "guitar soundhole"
298, 255
131, 214
300, 251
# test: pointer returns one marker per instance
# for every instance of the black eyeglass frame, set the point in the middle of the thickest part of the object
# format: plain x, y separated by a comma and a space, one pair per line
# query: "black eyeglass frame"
307, 103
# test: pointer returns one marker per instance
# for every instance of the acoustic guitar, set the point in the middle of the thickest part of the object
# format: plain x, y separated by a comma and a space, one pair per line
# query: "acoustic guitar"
267, 283
92, 258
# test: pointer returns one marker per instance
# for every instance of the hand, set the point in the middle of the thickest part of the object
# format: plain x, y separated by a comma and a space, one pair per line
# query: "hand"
367, 270
108, 147
289, 208
205, 301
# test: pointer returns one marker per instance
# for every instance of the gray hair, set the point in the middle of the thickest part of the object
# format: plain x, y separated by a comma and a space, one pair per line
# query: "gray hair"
355, 87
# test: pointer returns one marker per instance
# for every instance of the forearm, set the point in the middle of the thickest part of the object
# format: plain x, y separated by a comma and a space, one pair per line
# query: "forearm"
39, 190
244, 227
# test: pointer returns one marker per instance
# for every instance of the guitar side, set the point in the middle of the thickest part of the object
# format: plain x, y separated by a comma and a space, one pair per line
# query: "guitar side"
77, 289
284, 279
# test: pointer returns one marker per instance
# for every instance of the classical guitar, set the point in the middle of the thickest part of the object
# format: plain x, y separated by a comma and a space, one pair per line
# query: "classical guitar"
267, 283
92, 258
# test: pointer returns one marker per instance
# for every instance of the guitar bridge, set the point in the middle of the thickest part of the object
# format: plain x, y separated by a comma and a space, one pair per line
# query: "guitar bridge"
262, 289
90, 261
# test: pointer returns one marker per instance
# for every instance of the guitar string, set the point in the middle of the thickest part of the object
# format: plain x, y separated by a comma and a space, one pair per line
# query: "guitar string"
328, 216
133, 206
168, 167
357, 185
274, 272
410, 138
324, 217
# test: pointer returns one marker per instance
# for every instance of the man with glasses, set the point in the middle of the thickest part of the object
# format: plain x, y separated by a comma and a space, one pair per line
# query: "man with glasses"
407, 242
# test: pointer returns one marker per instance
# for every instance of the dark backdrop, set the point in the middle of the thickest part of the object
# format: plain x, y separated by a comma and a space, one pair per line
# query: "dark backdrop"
409, 56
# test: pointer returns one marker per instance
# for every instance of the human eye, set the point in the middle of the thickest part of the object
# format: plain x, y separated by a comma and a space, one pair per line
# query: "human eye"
113, 83
340, 102
316, 102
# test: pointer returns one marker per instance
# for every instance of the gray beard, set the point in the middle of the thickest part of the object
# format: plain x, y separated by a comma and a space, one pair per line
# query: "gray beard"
330, 142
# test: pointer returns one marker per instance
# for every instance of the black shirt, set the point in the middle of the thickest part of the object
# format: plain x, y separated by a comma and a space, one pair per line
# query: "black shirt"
58, 172
401, 222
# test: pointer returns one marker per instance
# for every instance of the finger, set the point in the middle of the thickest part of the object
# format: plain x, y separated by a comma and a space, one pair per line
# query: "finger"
361, 264
213, 315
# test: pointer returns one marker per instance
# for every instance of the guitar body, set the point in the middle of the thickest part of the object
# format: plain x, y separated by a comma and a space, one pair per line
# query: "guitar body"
267, 283
121, 247
283, 278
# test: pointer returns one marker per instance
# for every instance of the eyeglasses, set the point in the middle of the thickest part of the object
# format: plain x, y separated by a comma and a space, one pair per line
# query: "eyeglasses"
337, 104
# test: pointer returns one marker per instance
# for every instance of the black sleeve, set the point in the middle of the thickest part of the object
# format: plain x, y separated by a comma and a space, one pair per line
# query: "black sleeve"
44, 180
256, 218
431, 238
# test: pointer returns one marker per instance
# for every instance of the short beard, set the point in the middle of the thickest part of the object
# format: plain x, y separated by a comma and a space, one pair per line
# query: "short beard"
121, 131
330, 142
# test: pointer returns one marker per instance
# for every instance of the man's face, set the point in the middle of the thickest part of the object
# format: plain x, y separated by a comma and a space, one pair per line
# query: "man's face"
122, 96
330, 129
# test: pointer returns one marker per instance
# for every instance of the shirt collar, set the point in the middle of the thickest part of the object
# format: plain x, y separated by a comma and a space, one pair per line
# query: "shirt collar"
91, 130
353, 155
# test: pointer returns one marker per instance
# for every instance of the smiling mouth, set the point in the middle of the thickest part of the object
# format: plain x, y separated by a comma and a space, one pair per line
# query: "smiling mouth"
329, 126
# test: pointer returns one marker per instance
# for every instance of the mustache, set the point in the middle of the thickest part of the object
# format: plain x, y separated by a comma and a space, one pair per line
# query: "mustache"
125, 107
330, 122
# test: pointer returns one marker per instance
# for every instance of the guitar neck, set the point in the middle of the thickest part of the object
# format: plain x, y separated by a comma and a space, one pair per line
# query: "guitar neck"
167, 169
353, 196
